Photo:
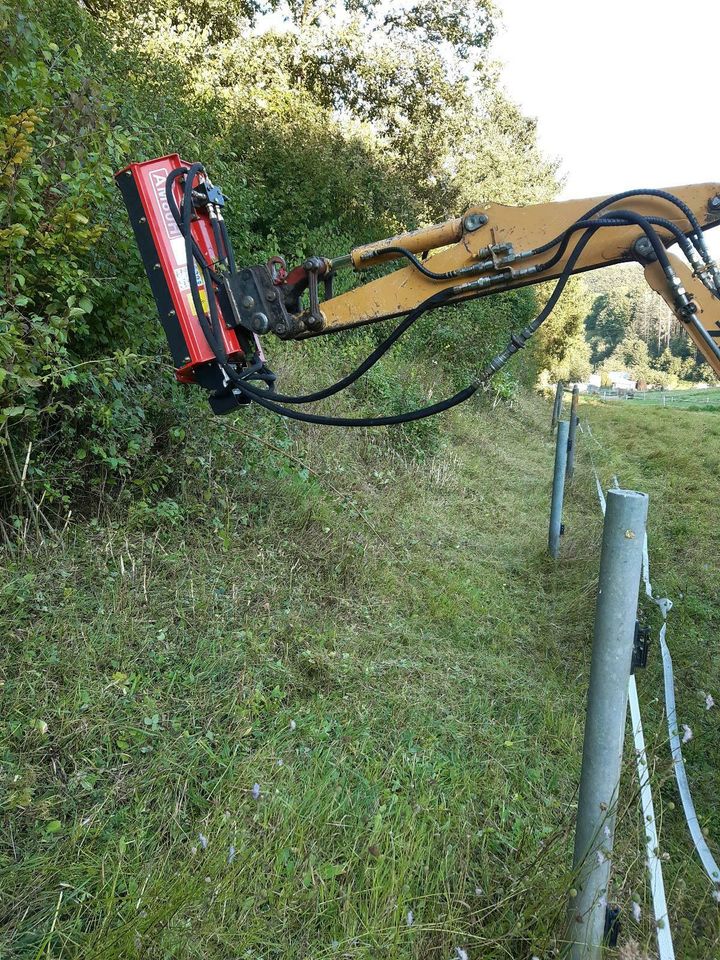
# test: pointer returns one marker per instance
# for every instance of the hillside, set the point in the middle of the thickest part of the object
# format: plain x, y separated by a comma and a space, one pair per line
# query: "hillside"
334, 708
630, 327
272, 691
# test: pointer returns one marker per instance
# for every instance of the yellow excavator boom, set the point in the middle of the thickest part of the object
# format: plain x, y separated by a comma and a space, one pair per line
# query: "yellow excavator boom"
490, 249
213, 311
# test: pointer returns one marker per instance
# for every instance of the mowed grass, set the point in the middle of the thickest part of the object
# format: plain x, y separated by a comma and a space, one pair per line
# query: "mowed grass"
694, 399
335, 709
673, 456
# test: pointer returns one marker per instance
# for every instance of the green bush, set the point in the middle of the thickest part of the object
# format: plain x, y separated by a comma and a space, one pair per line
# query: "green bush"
72, 306
87, 398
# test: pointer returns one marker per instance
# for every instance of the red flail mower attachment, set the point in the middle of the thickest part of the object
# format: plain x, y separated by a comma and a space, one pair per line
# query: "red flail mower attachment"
162, 247
164, 252
211, 311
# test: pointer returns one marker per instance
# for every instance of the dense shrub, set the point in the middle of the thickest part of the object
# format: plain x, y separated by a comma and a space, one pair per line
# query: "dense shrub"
86, 393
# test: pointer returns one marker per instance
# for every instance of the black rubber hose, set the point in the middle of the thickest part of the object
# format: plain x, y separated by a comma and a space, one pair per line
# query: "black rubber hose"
698, 240
435, 301
663, 195
438, 299
660, 252
681, 238
170, 197
419, 265
617, 218
217, 235
518, 341
186, 227
685, 244
442, 405
228, 246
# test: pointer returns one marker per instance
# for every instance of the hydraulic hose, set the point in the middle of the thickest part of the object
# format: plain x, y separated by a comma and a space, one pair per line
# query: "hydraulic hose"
444, 296
170, 197
436, 300
272, 401
687, 244
515, 344
616, 198
419, 265
228, 244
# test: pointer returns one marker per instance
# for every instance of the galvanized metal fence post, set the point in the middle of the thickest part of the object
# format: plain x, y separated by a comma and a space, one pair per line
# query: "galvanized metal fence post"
558, 488
620, 567
573, 430
557, 404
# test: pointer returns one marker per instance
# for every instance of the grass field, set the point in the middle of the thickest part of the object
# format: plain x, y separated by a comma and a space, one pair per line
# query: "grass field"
336, 711
701, 400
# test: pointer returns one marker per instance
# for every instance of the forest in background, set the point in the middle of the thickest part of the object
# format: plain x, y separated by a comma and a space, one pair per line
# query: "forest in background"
613, 321
629, 327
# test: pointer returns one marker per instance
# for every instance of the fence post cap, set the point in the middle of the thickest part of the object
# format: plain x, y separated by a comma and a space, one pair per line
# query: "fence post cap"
615, 492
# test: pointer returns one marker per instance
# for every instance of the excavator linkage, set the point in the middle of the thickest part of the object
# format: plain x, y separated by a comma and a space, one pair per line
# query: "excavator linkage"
212, 311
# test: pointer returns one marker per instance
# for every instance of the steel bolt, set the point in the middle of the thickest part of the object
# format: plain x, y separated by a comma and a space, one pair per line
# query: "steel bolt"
474, 221
643, 247
272, 296
260, 323
248, 303
714, 203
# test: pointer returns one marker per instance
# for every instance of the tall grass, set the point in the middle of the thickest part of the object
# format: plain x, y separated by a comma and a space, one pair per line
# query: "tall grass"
334, 708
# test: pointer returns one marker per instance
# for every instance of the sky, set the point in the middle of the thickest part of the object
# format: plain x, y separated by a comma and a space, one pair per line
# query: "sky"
625, 91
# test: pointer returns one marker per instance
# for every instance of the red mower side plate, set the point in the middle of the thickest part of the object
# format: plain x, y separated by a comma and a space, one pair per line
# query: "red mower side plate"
162, 247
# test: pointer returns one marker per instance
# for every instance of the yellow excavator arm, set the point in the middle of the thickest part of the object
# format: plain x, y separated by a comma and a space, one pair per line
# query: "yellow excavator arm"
492, 248
214, 312
708, 307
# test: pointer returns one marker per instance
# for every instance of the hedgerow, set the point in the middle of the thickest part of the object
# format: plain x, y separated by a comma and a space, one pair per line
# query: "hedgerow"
86, 392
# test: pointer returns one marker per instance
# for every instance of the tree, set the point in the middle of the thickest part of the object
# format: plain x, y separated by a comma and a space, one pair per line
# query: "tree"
560, 344
608, 320
669, 363
625, 304
631, 354
415, 76
575, 366
221, 19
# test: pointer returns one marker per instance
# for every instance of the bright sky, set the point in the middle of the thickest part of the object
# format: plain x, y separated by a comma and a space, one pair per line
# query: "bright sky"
625, 91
